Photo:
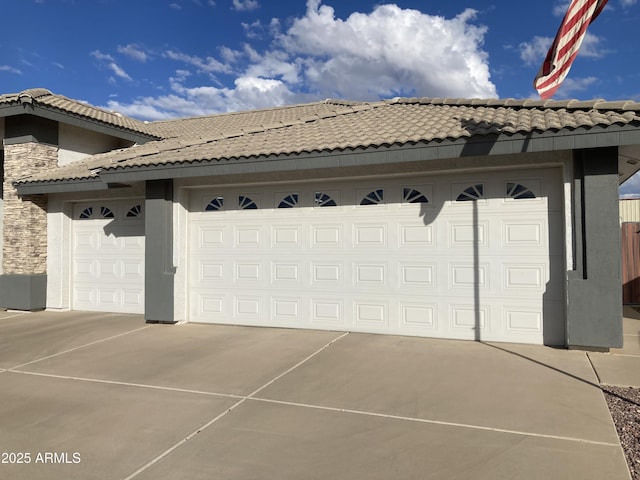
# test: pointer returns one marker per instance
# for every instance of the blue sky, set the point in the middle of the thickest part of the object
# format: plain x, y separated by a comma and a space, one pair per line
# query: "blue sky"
156, 59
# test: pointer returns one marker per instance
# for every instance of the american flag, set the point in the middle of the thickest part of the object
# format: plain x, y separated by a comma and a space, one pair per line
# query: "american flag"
566, 45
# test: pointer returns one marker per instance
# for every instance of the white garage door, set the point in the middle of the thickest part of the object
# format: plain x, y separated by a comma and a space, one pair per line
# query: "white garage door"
466, 256
108, 256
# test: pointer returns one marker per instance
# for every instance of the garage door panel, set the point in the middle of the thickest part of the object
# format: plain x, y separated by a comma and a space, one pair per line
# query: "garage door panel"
418, 318
524, 277
84, 240
327, 274
287, 310
416, 236
463, 234
440, 266
210, 238
470, 321
248, 237
327, 312
416, 275
286, 237
286, 273
370, 235
520, 320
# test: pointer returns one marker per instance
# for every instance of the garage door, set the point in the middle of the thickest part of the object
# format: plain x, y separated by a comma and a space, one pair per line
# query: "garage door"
108, 257
466, 256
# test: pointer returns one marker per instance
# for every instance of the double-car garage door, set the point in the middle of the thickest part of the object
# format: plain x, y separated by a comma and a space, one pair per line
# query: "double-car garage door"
476, 256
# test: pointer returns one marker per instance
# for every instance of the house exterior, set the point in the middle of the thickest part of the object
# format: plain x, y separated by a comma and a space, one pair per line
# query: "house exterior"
473, 219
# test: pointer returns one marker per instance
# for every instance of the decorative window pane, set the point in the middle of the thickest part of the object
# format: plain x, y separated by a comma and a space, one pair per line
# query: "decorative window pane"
106, 212
411, 195
86, 213
518, 191
134, 211
215, 204
324, 200
474, 192
289, 201
373, 198
246, 203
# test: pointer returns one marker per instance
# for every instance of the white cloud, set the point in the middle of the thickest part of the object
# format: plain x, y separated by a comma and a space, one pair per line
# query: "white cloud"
107, 61
628, 3
535, 51
105, 57
245, 5
190, 102
118, 71
134, 52
591, 47
571, 86
385, 53
631, 187
252, 30
209, 64
560, 9
389, 52
10, 69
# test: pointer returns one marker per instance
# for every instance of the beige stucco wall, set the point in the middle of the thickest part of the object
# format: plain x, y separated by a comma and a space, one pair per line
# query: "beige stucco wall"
77, 143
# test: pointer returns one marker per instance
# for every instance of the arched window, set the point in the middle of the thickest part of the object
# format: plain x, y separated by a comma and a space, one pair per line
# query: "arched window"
106, 212
411, 195
324, 200
215, 204
245, 203
289, 201
134, 211
518, 191
86, 213
474, 192
373, 198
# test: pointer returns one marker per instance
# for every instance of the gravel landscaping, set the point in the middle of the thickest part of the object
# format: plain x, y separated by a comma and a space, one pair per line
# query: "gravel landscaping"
624, 404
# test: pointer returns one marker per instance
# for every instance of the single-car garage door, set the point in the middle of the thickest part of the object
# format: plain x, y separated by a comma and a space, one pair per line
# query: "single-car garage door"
473, 256
108, 256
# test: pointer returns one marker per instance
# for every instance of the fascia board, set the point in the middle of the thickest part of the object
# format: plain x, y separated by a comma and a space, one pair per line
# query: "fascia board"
61, 187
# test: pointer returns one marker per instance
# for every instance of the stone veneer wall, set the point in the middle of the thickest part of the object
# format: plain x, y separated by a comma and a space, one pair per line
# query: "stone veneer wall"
25, 218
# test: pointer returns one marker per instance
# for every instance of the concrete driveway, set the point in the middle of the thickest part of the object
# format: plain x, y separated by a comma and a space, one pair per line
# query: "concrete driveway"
105, 396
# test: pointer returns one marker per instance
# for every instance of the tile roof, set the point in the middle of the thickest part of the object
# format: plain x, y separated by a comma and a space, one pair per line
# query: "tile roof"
236, 121
41, 97
334, 126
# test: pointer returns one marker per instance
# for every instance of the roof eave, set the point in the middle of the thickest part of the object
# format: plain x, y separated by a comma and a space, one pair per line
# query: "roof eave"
499, 144
9, 110
61, 186
479, 146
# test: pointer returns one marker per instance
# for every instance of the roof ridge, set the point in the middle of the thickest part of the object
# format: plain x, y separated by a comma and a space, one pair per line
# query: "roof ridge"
327, 101
570, 104
93, 107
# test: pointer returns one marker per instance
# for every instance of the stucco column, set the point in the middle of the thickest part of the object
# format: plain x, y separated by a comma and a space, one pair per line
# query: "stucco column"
594, 287
160, 272
24, 260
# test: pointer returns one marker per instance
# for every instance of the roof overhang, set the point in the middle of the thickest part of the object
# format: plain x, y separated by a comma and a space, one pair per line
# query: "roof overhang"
627, 138
512, 146
44, 111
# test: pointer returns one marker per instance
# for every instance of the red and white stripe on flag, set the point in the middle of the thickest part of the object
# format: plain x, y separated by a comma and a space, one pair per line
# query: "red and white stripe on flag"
566, 45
